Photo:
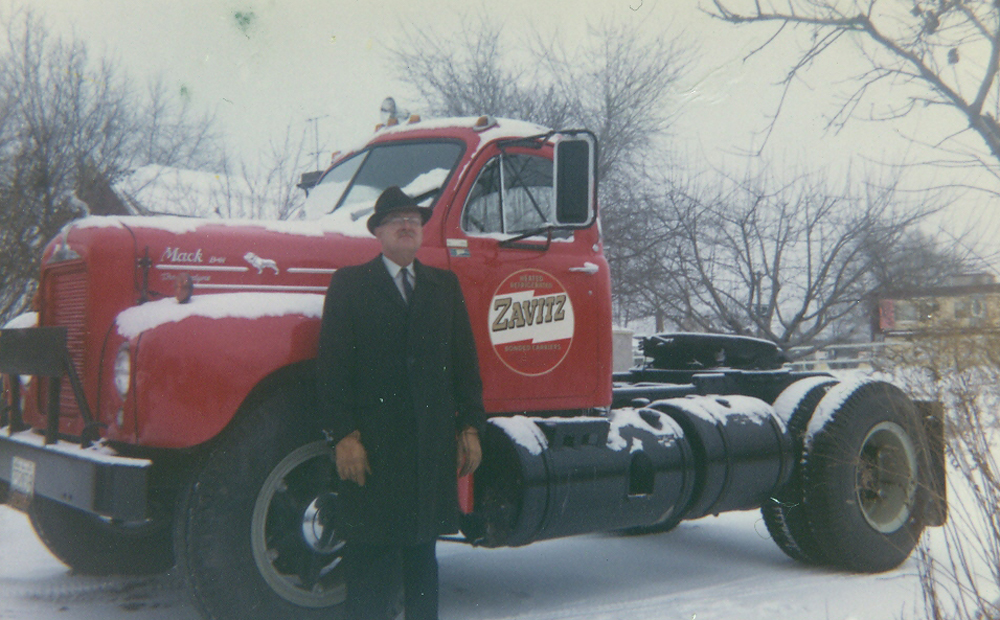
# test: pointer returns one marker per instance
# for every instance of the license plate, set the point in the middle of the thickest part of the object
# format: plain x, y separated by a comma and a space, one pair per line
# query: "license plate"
22, 482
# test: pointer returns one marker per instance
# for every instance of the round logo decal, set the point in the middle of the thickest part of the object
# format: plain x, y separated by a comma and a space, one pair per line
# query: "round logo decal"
531, 322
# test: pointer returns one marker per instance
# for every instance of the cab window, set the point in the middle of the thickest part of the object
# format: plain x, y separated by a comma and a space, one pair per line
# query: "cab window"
512, 195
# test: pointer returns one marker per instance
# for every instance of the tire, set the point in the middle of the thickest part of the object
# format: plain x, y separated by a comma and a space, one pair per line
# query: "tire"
862, 476
784, 513
93, 545
254, 536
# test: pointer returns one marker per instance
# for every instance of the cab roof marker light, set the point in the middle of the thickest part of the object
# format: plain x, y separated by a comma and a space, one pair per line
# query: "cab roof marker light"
484, 122
388, 110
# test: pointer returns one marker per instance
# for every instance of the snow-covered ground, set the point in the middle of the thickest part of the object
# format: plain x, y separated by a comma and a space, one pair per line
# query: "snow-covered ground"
721, 568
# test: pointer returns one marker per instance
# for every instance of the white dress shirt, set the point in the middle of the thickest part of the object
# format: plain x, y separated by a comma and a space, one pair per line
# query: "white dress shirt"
394, 270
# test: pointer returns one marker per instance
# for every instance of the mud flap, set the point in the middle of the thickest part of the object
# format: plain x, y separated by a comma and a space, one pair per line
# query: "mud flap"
932, 418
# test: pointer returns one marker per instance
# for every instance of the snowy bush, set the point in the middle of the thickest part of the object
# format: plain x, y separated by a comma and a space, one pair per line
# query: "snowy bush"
959, 565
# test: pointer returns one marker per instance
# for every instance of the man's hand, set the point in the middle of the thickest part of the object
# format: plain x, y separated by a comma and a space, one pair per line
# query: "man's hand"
470, 453
352, 460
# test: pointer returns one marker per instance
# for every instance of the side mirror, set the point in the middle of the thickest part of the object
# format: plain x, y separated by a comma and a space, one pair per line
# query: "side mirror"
575, 181
308, 180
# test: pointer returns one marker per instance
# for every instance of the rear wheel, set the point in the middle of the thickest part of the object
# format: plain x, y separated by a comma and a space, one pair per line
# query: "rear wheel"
785, 513
254, 534
94, 545
861, 477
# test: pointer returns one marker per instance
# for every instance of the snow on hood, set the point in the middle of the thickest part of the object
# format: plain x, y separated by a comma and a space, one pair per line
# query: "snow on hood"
138, 319
183, 225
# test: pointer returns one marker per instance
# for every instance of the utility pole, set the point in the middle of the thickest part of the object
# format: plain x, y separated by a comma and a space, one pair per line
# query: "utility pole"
315, 124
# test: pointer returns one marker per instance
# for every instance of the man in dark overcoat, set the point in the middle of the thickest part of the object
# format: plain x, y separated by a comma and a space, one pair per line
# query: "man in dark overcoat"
401, 397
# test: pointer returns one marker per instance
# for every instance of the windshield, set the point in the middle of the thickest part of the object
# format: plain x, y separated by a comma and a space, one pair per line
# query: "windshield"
347, 192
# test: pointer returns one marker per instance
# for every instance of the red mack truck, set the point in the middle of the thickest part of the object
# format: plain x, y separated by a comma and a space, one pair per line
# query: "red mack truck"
157, 407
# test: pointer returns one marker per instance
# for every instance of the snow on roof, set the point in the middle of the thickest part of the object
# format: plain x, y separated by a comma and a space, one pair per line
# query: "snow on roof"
138, 319
162, 189
503, 127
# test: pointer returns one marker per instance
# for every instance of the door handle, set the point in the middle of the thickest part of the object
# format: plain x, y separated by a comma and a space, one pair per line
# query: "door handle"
588, 268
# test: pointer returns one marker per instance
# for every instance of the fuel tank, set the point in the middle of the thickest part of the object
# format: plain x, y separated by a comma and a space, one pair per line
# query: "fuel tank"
676, 459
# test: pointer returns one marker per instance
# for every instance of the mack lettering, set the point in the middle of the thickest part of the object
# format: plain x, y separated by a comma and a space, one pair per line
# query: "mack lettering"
175, 255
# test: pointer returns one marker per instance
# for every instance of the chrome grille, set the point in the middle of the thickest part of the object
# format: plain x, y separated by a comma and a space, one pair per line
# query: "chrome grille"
68, 308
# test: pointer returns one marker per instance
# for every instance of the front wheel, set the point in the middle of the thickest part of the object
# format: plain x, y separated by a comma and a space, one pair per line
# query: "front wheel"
255, 536
94, 545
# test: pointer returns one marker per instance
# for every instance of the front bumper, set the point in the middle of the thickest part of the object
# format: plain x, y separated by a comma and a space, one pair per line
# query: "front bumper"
90, 479
84, 475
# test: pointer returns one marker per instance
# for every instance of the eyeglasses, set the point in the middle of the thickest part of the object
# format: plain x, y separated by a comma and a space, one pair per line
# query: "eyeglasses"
399, 220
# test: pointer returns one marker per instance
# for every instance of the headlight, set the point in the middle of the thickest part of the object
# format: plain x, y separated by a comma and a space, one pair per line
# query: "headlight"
123, 370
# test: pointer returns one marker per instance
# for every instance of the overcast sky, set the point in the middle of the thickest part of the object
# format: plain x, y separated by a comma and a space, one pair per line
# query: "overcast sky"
288, 61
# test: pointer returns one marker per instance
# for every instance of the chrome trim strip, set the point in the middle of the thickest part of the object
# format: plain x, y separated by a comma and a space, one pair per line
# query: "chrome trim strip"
320, 270
261, 287
201, 268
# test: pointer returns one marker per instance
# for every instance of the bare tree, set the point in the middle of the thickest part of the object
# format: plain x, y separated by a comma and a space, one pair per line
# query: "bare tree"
263, 188
271, 190
937, 54
617, 82
646, 257
792, 262
68, 120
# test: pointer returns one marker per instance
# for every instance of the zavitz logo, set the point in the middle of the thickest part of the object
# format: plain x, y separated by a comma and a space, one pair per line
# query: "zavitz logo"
531, 322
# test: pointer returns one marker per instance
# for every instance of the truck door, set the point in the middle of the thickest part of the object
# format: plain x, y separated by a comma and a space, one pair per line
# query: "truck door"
539, 306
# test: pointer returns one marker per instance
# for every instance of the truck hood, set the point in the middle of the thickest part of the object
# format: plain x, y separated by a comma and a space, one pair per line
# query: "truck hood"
221, 256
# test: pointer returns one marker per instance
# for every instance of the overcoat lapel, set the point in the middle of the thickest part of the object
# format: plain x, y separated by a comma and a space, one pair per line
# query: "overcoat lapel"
426, 294
383, 282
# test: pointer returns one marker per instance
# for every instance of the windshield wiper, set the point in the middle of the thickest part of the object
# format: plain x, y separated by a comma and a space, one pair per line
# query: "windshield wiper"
548, 229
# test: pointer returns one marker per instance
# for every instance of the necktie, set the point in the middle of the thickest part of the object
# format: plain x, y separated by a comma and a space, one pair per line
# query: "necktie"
404, 275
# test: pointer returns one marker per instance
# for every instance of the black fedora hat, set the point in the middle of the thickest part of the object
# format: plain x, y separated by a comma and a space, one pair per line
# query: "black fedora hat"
392, 200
